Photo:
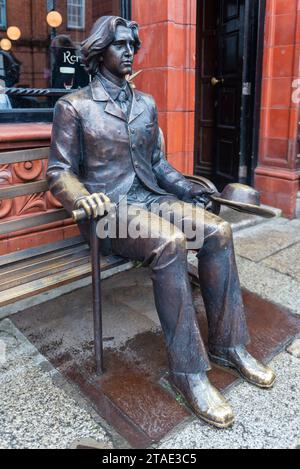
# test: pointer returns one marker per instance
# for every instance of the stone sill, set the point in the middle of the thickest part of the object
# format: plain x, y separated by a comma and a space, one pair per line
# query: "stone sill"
15, 136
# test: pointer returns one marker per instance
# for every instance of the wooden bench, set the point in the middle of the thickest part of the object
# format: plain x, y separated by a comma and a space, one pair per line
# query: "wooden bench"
32, 271
26, 273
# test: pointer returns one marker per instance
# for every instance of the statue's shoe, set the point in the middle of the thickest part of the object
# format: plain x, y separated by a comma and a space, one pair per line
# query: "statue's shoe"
203, 398
248, 367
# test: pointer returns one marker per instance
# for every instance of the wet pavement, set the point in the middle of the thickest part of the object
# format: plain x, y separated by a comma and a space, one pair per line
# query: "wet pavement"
133, 403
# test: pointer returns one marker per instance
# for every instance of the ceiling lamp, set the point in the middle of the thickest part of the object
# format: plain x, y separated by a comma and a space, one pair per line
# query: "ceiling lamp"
13, 33
54, 19
5, 44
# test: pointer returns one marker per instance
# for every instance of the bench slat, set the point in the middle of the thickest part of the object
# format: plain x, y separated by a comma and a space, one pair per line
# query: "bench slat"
46, 270
22, 266
17, 190
32, 253
20, 156
33, 221
53, 281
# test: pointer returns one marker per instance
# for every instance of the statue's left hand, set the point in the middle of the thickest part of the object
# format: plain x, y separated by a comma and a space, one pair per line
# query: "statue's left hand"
200, 195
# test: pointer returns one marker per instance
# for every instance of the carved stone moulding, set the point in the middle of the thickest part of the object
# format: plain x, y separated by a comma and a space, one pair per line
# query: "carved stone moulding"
30, 204
5, 208
52, 202
27, 171
5, 180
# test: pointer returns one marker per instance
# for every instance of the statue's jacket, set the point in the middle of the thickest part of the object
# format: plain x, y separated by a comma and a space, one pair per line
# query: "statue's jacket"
96, 148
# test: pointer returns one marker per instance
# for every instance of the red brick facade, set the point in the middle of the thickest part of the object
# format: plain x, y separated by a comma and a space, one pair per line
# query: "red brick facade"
168, 62
169, 74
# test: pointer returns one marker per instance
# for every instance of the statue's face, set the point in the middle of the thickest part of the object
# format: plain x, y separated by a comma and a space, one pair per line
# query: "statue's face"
118, 57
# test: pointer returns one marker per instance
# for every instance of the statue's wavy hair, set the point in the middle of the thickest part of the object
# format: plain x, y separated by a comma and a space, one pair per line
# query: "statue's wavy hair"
102, 35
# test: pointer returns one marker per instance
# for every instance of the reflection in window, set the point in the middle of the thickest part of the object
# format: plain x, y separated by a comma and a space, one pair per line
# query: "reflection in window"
43, 56
76, 14
2, 13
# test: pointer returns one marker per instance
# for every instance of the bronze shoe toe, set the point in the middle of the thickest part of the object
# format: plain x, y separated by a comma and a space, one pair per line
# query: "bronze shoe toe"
248, 367
204, 399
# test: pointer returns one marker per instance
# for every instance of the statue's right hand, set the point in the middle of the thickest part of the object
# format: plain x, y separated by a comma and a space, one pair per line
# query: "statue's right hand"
95, 205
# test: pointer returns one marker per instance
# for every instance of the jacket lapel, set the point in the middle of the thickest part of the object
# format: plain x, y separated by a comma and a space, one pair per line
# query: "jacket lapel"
137, 107
115, 110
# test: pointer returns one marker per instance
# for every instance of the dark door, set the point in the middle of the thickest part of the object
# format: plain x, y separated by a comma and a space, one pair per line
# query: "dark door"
228, 89
221, 44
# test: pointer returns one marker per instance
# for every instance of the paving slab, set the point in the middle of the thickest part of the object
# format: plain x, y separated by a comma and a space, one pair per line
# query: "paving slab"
294, 349
269, 284
35, 413
264, 419
133, 395
240, 221
286, 261
265, 240
265, 282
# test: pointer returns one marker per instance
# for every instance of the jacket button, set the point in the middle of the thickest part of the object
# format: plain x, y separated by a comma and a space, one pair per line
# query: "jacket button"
133, 147
132, 131
136, 164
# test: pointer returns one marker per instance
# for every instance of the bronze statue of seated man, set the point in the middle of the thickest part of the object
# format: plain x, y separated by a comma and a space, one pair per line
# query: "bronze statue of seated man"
106, 144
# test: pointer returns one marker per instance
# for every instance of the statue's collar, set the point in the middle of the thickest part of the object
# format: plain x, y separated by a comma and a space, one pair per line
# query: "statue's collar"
98, 90
100, 94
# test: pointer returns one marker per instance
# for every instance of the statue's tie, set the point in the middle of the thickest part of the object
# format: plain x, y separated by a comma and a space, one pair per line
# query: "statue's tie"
124, 102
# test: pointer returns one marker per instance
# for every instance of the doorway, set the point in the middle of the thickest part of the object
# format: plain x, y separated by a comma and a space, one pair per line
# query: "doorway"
229, 58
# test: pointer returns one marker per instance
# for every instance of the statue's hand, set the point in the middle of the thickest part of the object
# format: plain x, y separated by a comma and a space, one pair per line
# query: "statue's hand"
95, 205
200, 195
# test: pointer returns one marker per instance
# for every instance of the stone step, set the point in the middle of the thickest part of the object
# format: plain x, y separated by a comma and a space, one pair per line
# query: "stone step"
239, 220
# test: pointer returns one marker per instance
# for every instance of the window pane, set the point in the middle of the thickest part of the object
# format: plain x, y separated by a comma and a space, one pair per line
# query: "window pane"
76, 13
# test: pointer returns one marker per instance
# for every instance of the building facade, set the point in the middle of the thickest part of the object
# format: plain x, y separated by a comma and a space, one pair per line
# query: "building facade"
225, 76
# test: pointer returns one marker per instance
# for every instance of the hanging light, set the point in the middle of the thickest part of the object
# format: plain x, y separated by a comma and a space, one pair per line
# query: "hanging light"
54, 19
13, 33
5, 44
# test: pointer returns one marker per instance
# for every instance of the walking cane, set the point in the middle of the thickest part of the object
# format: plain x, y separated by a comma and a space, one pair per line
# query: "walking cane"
96, 281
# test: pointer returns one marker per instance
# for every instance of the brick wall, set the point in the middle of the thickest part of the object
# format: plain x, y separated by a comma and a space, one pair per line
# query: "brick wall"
277, 175
167, 57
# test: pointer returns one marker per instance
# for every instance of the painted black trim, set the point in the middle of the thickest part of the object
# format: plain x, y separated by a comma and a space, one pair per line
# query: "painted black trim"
17, 116
258, 85
252, 73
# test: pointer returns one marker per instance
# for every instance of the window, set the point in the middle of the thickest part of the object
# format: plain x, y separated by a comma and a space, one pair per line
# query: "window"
76, 14
45, 57
3, 14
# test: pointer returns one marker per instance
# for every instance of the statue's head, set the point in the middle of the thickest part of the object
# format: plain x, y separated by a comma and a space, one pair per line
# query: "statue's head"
112, 44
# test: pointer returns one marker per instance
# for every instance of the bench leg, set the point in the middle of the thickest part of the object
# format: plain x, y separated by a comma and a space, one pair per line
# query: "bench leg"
97, 305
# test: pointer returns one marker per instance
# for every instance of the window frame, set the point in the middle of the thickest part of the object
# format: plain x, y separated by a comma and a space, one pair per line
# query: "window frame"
72, 26
4, 7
